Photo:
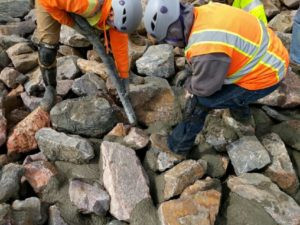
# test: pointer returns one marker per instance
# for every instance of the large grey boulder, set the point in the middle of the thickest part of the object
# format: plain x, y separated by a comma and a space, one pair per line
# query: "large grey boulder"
124, 179
88, 85
67, 67
155, 102
10, 181
88, 198
157, 61
15, 8
247, 154
281, 207
289, 132
87, 116
70, 37
59, 146
281, 170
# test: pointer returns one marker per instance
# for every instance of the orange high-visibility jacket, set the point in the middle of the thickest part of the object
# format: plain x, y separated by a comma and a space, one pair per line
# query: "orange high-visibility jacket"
258, 58
92, 11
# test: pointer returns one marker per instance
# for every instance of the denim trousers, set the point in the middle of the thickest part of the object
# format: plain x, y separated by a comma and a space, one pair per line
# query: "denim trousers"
295, 43
182, 138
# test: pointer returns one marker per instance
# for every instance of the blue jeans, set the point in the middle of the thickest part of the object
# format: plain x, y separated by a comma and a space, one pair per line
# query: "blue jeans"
231, 96
295, 43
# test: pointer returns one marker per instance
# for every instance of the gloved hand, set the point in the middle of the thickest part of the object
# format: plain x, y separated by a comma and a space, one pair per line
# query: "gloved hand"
182, 76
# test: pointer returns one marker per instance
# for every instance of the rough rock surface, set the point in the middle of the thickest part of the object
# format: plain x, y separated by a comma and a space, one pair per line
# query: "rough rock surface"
155, 102
71, 37
67, 67
89, 198
282, 208
157, 61
55, 217
15, 8
281, 170
283, 21
35, 82
3, 127
31, 102
22, 138
88, 116
10, 181
10, 76
247, 154
200, 208
59, 146
124, 179
289, 132
136, 138
88, 85
87, 66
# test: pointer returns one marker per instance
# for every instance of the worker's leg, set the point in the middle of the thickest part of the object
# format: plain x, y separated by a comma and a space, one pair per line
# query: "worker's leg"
295, 43
183, 136
47, 38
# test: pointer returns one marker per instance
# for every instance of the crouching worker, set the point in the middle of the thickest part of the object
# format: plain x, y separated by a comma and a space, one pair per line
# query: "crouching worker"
119, 17
235, 60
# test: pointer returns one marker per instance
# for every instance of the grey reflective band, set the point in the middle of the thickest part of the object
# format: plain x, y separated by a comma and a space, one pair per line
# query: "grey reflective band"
255, 59
253, 4
275, 63
218, 36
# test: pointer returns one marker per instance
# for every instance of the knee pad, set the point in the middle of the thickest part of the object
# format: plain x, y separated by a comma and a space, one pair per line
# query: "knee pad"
47, 55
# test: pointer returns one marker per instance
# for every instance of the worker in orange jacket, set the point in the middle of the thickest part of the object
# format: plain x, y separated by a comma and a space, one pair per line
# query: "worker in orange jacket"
235, 60
118, 17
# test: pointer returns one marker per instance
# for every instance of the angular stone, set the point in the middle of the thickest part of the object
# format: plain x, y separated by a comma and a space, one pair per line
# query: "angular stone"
93, 56
35, 82
15, 8
144, 213
181, 176
240, 210
157, 61
135, 52
18, 28
25, 62
292, 90
28, 211
285, 39
88, 85
247, 154
89, 198
30, 102
281, 170
159, 161
263, 123
19, 48
59, 146
9, 77
4, 59
16, 116
136, 138
3, 127
22, 138
88, 116
218, 134
124, 179
55, 217
155, 102
64, 86
120, 130
5, 214
39, 174
290, 3
87, 66
283, 21
202, 185
67, 50
10, 181
252, 186
200, 208
70, 37
6, 41
240, 128
270, 8
289, 132
35, 157
67, 67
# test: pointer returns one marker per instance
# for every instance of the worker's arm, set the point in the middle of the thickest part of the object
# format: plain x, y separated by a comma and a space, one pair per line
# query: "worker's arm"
119, 46
209, 73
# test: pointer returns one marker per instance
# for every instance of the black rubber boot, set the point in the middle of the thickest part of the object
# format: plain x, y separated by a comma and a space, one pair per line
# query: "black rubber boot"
49, 78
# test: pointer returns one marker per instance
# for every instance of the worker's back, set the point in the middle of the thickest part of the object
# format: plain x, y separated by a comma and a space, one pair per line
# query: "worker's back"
258, 58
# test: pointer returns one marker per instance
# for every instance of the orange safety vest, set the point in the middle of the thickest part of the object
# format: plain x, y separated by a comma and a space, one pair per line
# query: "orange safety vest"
91, 9
258, 57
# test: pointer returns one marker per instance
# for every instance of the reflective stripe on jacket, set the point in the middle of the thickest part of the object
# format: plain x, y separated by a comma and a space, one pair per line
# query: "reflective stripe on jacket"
258, 58
254, 7
96, 13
